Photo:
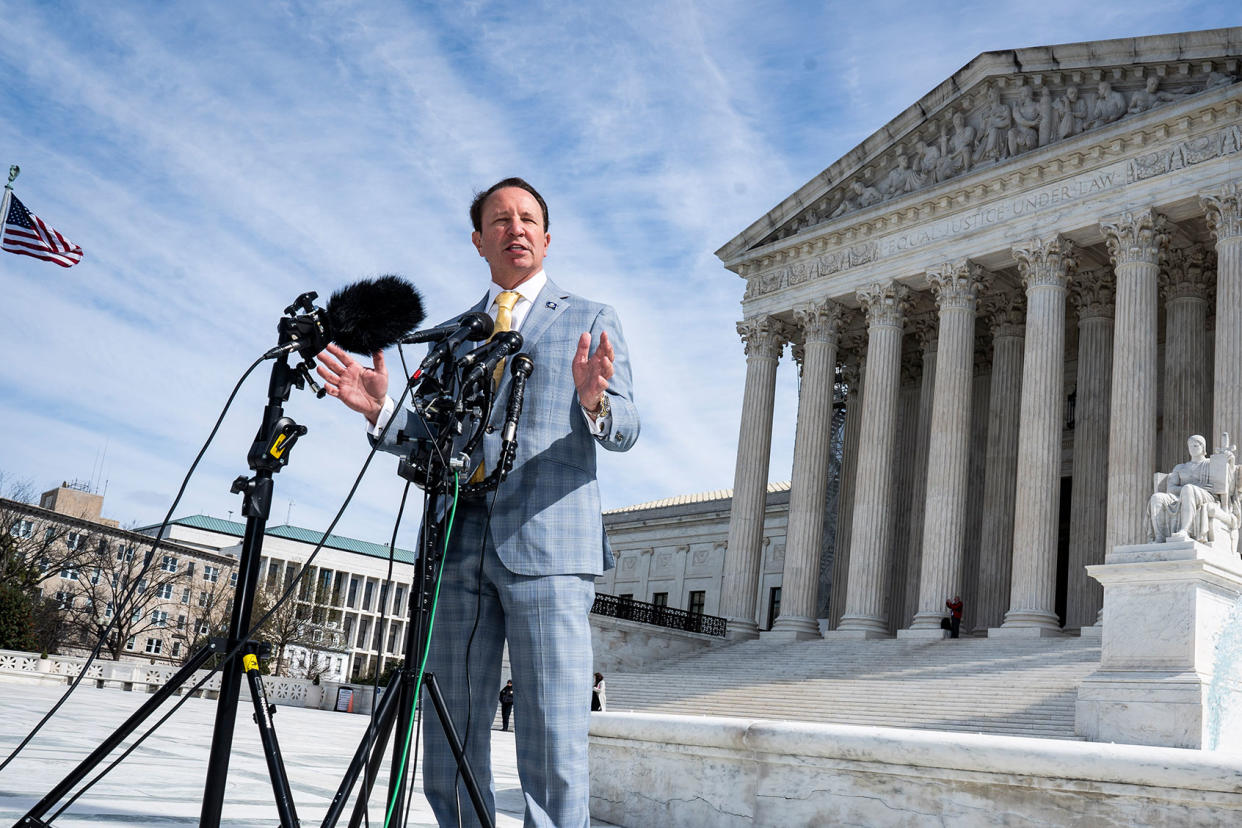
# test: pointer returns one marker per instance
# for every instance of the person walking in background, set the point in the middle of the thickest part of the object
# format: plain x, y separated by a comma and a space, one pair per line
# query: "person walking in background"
506, 704
598, 700
955, 624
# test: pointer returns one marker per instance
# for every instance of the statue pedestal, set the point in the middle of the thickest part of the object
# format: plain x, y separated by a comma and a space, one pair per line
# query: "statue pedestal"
1171, 650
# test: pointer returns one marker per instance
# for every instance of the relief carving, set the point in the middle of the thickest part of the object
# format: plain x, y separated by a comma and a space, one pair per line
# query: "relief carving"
1008, 124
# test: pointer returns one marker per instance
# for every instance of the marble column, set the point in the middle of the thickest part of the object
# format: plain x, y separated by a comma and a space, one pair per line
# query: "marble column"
1184, 285
981, 401
820, 324
851, 372
765, 339
1006, 315
956, 286
1135, 244
903, 489
864, 606
1093, 297
1045, 266
926, 332
1224, 218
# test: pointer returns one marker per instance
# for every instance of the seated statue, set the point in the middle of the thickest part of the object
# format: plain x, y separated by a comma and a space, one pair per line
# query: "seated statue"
1199, 499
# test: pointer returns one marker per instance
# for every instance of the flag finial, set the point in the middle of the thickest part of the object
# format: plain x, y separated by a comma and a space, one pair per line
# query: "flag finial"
14, 172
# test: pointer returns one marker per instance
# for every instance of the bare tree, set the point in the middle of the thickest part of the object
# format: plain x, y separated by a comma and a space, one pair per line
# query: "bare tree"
40, 548
109, 587
299, 626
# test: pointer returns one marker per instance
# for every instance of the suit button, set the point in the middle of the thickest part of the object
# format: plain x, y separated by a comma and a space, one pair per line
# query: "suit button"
490, 429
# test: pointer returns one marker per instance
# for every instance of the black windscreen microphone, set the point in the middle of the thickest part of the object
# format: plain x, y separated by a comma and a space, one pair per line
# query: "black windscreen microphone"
482, 361
478, 324
373, 314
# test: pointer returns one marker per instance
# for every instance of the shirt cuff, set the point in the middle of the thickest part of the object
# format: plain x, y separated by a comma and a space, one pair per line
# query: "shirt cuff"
382, 418
598, 427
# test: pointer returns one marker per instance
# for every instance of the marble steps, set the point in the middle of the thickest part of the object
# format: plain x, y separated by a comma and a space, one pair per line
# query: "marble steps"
1025, 687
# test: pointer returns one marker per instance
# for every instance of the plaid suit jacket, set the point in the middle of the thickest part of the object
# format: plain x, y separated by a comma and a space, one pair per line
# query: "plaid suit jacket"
547, 519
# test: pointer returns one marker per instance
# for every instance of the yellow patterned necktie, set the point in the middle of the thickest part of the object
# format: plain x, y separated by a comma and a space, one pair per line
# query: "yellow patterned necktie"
504, 322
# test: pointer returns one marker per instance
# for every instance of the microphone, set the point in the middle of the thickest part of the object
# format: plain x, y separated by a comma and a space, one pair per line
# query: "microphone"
480, 328
373, 314
473, 326
521, 368
482, 361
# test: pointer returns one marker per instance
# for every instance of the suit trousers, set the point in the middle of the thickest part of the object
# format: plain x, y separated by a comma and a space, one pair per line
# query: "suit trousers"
545, 619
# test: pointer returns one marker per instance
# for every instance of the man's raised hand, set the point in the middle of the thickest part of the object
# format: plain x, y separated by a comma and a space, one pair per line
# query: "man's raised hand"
592, 371
361, 388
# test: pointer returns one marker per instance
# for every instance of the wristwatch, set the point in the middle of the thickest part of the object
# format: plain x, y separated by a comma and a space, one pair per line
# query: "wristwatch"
602, 410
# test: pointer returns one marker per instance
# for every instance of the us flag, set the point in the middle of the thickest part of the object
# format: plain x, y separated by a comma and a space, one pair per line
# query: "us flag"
29, 235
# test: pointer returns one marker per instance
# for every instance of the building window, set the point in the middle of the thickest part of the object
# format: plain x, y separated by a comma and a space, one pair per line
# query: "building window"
103, 546
211, 574
392, 638
698, 600
95, 576
203, 628
73, 540
185, 595
142, 586
189, 568
352, 601
169, 564
398, 605
165, 591
233, 579
203, 598
364, 627
367, 594
181, 622
774, 605
69, 573
108, 610
176, 649
659, 599
154, 645
159, 618
125, 553
64, 600
129, 643
22, 529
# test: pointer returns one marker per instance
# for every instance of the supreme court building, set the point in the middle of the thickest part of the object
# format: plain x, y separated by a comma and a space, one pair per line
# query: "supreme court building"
1031, 282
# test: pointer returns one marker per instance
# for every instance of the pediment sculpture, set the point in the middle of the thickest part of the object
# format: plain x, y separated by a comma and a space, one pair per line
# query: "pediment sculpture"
1200, 499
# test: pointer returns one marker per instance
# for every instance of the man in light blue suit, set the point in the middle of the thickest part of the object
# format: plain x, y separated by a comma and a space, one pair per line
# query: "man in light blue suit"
523, 570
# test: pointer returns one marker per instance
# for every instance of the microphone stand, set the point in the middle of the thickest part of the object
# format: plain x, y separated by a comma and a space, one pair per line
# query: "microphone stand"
430, 471
268, 454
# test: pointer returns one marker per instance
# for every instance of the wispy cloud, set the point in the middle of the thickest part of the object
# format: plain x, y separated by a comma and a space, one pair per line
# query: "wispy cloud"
216, 160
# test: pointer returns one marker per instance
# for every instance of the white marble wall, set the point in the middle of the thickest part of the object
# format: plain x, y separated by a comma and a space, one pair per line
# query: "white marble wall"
672, 771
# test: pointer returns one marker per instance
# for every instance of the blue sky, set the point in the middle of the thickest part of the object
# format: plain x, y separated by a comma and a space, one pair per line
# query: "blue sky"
215, 160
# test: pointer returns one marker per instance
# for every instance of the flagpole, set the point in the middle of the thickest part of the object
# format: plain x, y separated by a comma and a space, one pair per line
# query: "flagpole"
14, 171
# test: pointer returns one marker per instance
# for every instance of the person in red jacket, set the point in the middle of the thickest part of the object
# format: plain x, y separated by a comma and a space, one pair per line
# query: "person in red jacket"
955, 606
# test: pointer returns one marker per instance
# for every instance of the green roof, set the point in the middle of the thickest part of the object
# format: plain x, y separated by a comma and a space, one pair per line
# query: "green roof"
297, 533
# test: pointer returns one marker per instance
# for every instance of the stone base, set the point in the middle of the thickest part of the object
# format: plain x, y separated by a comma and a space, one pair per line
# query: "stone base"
924, 634
1095, 631
736, 630
1024, 632
792, 631
1171, 649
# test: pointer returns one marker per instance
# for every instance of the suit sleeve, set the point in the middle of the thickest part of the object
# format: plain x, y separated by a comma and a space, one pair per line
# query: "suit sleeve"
623, 430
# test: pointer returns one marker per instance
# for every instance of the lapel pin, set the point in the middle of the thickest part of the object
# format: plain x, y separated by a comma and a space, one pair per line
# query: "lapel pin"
550, 305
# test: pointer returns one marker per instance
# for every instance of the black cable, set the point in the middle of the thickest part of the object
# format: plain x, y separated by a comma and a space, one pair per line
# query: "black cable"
150, 559
289, 591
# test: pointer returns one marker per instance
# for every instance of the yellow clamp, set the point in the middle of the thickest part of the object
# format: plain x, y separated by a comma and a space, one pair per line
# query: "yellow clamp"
250, 662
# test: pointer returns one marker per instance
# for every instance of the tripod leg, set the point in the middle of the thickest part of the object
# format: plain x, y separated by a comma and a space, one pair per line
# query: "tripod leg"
127, 727
390, 711
463, 764
372, 744
271, 747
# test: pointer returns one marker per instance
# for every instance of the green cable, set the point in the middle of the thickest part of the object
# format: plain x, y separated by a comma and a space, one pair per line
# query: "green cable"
418, 684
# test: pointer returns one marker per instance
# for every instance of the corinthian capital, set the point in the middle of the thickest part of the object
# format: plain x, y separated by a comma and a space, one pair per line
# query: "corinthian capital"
1094, 294
956, 284
1224, 211
819, 321
885, 303
1138, 237
1046, 262
763, 336
1005, 313
1187, 274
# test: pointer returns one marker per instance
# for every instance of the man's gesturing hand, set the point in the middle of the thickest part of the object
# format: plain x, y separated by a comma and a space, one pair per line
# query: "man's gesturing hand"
591, 374
361, 388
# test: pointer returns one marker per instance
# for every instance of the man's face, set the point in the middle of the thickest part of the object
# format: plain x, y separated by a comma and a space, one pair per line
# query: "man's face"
513, 239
